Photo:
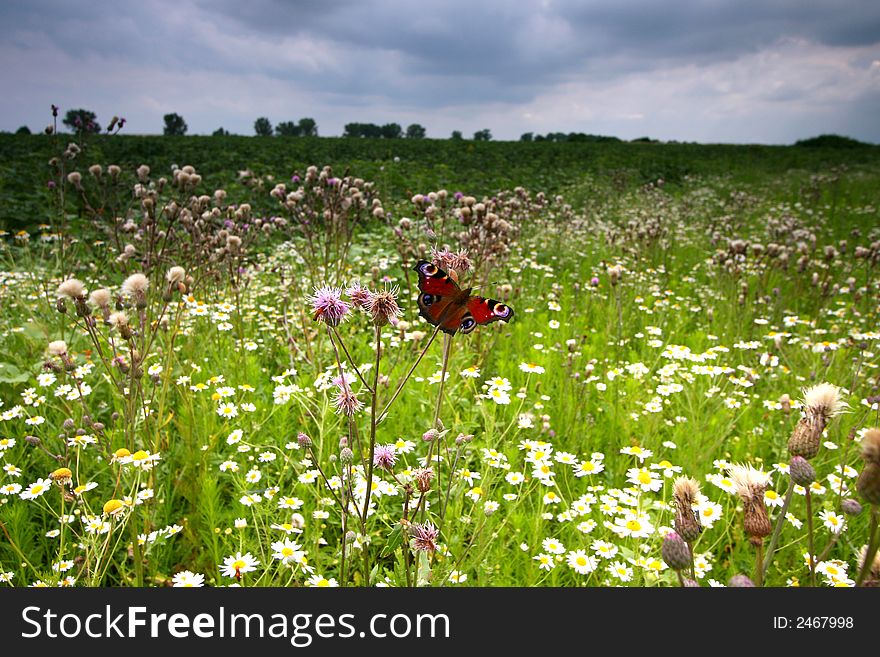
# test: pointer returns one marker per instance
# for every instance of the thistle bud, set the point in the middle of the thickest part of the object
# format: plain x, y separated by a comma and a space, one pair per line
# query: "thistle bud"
801, 472
850, 507
675, 552
346, 455
740, 581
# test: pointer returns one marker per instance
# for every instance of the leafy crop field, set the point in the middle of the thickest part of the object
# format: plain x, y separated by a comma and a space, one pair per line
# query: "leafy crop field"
215, 372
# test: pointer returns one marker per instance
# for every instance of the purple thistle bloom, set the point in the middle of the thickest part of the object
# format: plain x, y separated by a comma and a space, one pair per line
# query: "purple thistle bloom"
384, 457
424, 537
328, 306
360, 296
346, 401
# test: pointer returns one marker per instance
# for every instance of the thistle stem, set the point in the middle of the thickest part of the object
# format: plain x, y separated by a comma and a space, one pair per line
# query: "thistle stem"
810, 538
777, 531
873, 542
408, 374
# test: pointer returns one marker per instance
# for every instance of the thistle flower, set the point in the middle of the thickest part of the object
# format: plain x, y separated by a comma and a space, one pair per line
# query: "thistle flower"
750, 485
686, 491
424, 537
58, 348
346, 401
328, 306
360, 296
874, 571
821, 403
382, 306
868, 483
100, 298
72, 288
119, 321
175, 275
423, 478
741, 581
135, 286
384, 457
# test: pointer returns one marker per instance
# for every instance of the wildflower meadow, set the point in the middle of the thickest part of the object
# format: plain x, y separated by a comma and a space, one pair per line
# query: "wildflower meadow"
648, 368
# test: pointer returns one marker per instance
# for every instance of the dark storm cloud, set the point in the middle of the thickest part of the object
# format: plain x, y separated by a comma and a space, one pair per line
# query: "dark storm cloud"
525, 60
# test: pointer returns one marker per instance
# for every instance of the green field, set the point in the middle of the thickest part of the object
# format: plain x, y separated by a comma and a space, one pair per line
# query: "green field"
672, 304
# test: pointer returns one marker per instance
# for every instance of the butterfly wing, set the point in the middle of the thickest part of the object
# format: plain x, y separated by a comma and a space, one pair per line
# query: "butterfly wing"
442, 302
480, 310
438, 297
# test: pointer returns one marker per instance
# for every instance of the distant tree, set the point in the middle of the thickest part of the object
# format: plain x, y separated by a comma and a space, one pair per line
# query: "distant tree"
540, 138
262, 127
415, 131
220, 132
287, 129
23, 130
363, 130
80, 120
392, 131
527, 136
174, 125
830, 141
308, 127
456, 135
483, 135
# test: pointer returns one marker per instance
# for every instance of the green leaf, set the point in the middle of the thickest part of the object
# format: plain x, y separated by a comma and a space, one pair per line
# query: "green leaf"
395, 539
9, 373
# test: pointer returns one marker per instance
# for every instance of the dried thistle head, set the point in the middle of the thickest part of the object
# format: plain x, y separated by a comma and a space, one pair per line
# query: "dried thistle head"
58, 348
750, 484
868, 483
821, 403
871, 446
72, 288
382, 306
874, 570
823, 400
686, 492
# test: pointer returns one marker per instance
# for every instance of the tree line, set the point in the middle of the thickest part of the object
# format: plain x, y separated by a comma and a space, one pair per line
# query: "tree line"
82, 120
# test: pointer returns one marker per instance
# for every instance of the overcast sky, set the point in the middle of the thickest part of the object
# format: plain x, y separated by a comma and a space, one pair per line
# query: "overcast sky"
770, 71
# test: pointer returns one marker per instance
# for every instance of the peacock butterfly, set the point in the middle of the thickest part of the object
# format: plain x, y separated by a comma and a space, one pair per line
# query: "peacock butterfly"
443, 303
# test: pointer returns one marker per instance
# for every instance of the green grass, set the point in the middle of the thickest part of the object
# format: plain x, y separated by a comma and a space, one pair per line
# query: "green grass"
614, 372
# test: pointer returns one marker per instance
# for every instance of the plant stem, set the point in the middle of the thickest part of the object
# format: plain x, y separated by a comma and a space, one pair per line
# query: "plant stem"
759, 564
810, 538
408, 374
777, 531
871, 550
373, 422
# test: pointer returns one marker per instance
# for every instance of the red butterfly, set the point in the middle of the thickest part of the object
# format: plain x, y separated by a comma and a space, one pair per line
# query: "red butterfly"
443, 303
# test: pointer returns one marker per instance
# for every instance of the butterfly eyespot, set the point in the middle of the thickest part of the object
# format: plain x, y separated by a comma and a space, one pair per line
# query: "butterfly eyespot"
501, 310
467, 325
428, 269
427, 299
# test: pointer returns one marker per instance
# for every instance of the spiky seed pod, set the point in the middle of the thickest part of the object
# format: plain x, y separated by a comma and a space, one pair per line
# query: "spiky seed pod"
868, 483
751, 485
821, 403
687, 523
873, 579
801, 472
806, 437
675, 552
740, 581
